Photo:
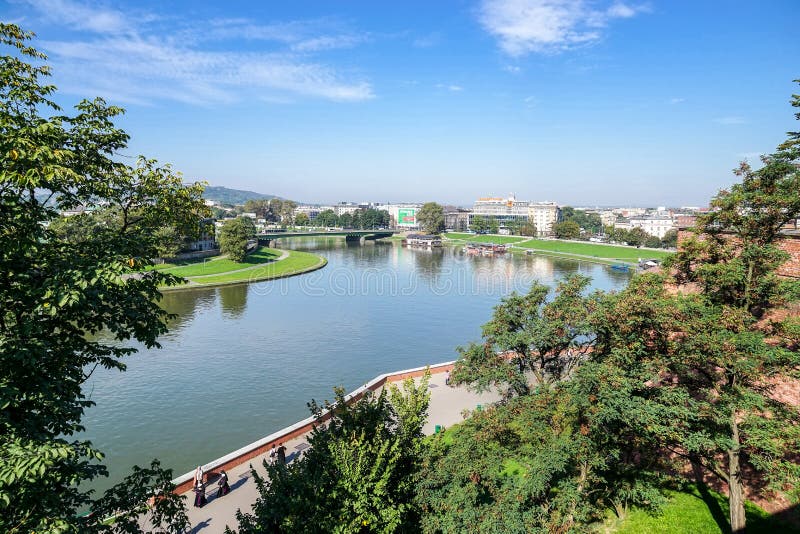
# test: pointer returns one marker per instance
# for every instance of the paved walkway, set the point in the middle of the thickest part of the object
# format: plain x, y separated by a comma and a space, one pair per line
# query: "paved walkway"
446, 407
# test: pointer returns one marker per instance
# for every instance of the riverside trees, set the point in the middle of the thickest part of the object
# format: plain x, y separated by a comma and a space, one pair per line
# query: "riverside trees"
431, 218
234, 236
57, 293
359, 474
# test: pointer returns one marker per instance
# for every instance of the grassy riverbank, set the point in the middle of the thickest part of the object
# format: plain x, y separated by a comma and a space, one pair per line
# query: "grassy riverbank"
219, 265
475, 238
567, 249
283, 263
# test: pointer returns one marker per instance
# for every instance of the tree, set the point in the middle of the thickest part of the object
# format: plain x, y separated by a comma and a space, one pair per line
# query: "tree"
670, 239
234, 236
494, 226
58, 292
346, 220
479, 225
734, 348
636, 237
528, 334
301, 219
431, 218
359, 474
567, 230
652, 241
589, 222
327, 218
552, 461
528, 229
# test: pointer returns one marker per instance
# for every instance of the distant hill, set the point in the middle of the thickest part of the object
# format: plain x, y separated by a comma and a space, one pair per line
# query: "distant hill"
226, 195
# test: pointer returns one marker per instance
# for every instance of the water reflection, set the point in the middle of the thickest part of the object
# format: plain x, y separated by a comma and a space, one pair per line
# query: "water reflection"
233, 300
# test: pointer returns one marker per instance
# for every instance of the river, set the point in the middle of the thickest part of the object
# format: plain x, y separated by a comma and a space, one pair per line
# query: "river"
242, 361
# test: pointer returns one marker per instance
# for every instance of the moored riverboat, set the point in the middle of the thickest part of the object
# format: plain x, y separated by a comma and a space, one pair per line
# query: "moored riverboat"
422, 241
484, 249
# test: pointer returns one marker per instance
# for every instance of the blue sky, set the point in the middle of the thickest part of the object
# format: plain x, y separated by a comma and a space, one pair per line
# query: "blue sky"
582, 102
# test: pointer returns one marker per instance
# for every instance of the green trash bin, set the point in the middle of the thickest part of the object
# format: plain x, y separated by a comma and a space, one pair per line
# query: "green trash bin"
437, 429
479, 408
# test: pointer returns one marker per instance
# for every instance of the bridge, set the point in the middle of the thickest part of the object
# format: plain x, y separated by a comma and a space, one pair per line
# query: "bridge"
350, 235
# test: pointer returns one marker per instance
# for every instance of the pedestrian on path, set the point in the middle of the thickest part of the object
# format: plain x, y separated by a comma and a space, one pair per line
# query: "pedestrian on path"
224, 487
273, 455
198, 475
199, 495
447, 378
281, 454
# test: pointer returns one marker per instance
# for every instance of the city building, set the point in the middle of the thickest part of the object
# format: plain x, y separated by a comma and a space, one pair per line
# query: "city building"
655, 225
503, 210
456, 219
544, 215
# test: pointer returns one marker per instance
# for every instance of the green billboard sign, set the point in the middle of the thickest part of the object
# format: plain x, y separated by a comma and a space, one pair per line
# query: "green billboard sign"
407, 217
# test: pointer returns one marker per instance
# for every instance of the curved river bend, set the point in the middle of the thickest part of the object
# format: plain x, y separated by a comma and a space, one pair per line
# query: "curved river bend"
242, 361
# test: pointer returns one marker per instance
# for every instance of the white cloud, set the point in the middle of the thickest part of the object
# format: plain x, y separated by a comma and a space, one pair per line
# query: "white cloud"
677, 100
513, 69
730, 121
122, 61
526, 26
450, 87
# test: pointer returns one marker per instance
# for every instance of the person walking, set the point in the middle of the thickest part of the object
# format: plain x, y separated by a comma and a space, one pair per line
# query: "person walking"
447, 378
199, 495
224, 487
281, 454
273, 455
198, 475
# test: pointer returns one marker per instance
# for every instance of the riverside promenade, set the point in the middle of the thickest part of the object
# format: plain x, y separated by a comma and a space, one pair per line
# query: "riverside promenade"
447, 404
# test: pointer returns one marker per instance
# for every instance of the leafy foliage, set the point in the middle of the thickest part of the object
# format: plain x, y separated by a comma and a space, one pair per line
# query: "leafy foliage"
431, 218
567, 230
234, 237
58, 291
358, 475
528, 334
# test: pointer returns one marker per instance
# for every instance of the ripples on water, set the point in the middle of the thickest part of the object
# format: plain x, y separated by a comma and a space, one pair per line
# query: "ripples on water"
241, 362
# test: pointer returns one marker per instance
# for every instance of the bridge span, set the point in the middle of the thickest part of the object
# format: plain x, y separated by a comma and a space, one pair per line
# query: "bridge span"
267, 238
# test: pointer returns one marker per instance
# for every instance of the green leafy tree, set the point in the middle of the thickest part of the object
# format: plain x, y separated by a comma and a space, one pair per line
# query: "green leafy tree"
234, 236
346, 220
652, 241
528, 229
494, 226
529, 334
552, 461
670, 239
301, 219
567, 230
431, 218
327, 218
636, 237
733, 350
589, 222
359, 474
479, 225
58, 291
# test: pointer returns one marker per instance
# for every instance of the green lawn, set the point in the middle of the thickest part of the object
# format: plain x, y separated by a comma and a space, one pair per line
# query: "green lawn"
296, 263
596, 250
474, 238
224, 265
690, 512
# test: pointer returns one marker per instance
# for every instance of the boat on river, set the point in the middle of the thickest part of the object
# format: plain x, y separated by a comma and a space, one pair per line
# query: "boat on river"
484, 249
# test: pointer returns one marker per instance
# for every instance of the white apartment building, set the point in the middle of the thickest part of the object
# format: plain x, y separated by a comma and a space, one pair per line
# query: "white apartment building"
655, 225
503, 210
544, 215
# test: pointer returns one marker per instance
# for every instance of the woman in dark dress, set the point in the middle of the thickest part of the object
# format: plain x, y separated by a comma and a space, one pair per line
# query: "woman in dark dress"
281, 454
199, 495
224, 487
